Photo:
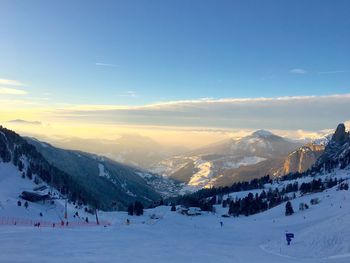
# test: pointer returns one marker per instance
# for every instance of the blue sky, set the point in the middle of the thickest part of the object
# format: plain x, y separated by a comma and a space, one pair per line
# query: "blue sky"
141, 52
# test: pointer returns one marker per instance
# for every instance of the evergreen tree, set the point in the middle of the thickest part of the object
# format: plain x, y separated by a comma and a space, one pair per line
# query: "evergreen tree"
138, 208
289, 209
131, 210
29, 173
20, 166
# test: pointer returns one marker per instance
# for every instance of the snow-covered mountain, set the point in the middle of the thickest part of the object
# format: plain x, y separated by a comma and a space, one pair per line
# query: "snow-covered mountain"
88, 178
260, 143
228, 161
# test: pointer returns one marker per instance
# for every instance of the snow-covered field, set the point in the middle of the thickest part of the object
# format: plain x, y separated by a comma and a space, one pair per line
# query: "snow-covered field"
322, 234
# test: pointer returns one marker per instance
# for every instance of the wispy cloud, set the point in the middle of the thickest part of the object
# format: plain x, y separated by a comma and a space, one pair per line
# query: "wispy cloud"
129, 93
333, 72
12, 91
10, 82
297, 71
105, 64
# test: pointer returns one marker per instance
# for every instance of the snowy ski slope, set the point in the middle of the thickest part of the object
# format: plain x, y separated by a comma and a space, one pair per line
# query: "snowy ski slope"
322, 234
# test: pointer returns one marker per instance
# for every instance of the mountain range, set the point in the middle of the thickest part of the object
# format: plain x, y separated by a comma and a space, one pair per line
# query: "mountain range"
130, 149
230, 160
110, 185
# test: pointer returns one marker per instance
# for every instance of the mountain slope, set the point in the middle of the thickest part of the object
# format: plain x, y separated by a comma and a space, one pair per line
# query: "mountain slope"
229, 161
260, 143
13, 208
79, 176
130, 149
135, 182
256, 238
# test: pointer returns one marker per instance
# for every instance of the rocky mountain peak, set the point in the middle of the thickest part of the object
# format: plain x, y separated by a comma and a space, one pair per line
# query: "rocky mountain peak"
340, 136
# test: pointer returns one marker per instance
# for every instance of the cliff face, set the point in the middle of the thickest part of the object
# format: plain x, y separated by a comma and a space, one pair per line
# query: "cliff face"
302, 159
338, 148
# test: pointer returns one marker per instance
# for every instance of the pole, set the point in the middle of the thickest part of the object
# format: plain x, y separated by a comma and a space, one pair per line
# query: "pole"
65, 210
51, 185
97, 222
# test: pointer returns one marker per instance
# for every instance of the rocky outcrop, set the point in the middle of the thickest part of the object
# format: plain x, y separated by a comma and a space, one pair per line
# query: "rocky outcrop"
302, 159
337, 148
340, 136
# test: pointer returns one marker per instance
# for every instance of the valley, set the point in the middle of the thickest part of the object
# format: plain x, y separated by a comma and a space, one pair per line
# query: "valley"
101, 234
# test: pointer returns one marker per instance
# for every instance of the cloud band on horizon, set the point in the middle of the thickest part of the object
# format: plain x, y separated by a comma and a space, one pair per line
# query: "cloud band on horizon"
299, 112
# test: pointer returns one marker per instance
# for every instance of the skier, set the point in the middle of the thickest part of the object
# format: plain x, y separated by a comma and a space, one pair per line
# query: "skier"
221, 223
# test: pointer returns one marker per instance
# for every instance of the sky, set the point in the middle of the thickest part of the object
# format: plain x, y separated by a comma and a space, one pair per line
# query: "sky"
232, 65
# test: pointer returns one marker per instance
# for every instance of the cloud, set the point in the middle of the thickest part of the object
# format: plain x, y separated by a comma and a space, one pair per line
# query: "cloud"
105, 64
284, 113
129, 93
20, 121
297, 71
12, 91
10, 82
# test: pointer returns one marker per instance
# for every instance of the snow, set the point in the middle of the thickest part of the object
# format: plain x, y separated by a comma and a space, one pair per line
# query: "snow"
245, 161
102, 171
323, 140
187, 189
322, 233
12, 185
204, 174
178, 238
169, 166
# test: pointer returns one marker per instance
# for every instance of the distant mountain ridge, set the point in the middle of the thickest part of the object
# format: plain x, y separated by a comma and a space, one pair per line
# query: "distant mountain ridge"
130, 149
226, 162
261, 143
